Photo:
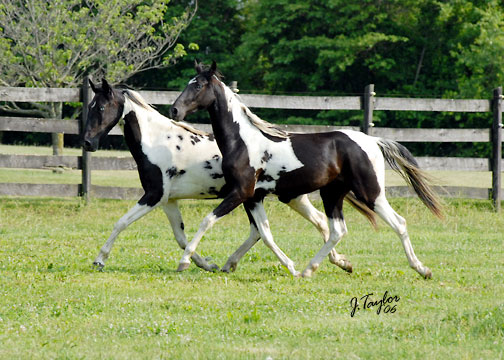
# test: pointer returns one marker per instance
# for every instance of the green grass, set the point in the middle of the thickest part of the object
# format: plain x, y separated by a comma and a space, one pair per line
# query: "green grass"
54, 305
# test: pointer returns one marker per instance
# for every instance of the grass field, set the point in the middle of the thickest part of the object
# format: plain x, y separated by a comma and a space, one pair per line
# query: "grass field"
54, 305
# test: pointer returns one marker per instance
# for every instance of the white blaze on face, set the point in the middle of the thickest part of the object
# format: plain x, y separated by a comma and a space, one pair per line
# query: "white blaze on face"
192, 81
273, 157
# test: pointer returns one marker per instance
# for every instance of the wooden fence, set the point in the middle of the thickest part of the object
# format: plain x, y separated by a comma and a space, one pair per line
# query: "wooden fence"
368, 102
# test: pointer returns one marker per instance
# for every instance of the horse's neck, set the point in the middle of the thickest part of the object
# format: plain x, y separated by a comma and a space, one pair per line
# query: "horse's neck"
225, 118
142, 126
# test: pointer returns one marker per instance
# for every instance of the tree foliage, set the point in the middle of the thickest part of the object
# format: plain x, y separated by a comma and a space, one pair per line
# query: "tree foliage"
56, 43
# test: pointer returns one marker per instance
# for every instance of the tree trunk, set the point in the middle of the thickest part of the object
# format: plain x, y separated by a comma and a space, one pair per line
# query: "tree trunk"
57, 138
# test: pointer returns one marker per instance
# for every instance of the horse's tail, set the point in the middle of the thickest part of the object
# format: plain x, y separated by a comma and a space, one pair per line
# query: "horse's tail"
362, 208
402, 161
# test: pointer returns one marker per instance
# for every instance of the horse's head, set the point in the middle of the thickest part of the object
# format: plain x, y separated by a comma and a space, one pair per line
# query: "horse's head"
198, 93
104, 112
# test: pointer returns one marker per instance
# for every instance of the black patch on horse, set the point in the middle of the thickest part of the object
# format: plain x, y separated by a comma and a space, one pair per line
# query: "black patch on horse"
273, 138
208, 165
213, 191
151, 176
172, 172
266, 156
264, 177
194, 139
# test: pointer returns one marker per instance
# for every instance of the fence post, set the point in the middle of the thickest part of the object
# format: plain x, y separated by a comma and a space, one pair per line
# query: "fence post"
86, 156
497, 148
234, 86
368, 108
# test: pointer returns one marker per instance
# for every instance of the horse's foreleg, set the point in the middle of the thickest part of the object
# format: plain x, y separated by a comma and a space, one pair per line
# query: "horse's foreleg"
135, 213
304, 207
173, 213
259, 215
230, 202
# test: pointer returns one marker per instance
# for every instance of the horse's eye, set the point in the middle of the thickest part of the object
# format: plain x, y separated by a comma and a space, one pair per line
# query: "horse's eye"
102, 108
198, 86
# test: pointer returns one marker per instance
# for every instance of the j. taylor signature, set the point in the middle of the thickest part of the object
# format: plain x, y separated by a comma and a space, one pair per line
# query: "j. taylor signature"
387, 304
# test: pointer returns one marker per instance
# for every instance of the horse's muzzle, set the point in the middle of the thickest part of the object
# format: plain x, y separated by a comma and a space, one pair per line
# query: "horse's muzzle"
89, 145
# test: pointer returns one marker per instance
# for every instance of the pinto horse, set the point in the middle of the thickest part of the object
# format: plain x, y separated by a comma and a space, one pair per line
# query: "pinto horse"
174, 161
259, 159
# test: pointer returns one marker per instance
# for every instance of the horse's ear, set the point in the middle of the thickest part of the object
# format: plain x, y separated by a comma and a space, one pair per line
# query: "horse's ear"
197, 66
107, 89
93, 86
213, 67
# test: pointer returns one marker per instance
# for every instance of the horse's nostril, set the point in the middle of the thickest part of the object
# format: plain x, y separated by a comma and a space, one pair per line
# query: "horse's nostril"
87, 144
174, 111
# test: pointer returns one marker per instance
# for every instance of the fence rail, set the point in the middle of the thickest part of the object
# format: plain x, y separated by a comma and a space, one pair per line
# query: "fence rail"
368, 103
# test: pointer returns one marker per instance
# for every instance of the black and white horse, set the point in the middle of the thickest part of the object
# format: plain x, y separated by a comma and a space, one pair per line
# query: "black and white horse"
175, 161
259, 159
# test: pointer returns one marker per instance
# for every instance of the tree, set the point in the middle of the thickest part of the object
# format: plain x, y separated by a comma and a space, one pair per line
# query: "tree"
304, 46
213, 34
56, 43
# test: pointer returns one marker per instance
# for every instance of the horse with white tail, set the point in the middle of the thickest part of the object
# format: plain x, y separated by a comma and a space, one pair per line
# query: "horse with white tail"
259, 158
175, 161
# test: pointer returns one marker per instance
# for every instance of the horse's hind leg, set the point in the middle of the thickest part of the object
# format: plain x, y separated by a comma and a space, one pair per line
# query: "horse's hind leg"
398, 223
135, 213
175, 218
260, 219
332, 196
304, 207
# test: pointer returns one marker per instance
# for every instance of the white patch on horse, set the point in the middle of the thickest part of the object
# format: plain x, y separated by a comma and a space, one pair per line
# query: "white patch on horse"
158, 133
369, 145
192, 81
281, 156
93, 104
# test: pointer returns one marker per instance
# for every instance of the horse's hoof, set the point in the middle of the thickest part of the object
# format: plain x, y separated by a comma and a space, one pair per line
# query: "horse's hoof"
214, 267
228, 268
183, 266
347, 267
307, 273
98, 265
428, 274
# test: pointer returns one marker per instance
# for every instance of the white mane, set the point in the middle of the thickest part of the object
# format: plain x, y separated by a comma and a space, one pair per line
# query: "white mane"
264, 126
136, 98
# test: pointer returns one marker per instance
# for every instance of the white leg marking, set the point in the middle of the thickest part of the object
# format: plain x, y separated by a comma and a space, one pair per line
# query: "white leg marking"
398, 224
262, 223
337, 229
305, 208
173, 213
242, 250
206, 224
135, 213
